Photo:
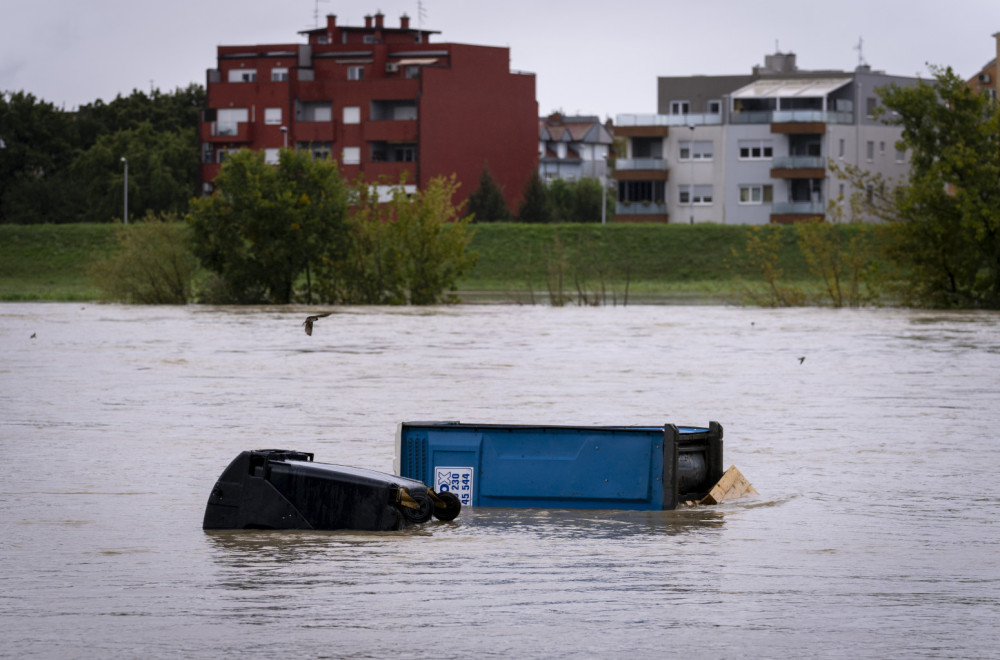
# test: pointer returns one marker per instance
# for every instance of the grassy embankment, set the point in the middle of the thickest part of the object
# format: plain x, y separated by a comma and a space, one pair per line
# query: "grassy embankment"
517, 262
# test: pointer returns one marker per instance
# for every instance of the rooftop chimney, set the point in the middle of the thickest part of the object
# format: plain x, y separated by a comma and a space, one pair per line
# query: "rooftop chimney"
379, 20
404, 22
331, 21
368, 21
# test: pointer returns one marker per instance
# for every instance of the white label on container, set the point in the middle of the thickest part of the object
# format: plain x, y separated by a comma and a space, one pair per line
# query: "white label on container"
455, 480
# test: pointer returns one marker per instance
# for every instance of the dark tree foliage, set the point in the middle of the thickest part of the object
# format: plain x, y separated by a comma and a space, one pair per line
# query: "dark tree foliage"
535, 206
37, 148
487, 203
59, 166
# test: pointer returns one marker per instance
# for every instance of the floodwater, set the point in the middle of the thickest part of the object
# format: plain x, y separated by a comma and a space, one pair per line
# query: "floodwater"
875, 533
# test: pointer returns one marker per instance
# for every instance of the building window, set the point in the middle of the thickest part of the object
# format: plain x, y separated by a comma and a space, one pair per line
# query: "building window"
715, 107
355, 72
386, 152
243, 75
412, 72
881, 148
756, 194
351, 156
756, 149
841, 146
870, 104
870, 150
698, 150
679, 107
352, 114
279, 74
702, 195
386, 110
314, 111
229, 119
900, 156
271, 156
272, 115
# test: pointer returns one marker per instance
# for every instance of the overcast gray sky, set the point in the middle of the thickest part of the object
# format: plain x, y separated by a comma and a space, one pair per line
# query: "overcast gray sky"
597, 58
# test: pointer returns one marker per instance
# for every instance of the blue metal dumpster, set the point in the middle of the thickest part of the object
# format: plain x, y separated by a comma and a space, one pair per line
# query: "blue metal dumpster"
578, 467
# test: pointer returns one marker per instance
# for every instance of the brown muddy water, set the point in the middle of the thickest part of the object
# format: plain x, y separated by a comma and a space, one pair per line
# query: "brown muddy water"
875, 533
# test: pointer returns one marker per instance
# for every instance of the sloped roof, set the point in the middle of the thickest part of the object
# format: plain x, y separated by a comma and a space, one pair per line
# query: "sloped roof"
573, 129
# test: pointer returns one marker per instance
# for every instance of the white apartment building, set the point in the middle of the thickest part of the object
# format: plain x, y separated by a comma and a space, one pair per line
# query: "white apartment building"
753, 149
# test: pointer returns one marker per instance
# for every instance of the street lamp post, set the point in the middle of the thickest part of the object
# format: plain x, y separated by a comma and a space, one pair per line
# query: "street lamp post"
125, 209
691, 158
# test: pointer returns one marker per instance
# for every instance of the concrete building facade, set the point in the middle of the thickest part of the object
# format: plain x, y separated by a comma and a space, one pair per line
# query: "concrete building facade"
753, 149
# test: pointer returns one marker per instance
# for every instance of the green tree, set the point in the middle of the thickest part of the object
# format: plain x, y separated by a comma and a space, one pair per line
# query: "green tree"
945, 220
435, 239
176, 111
408, 248
760, 257
369, 271
487, 203
578, 201
38, 146
587, 200
154, 264
535, 206
266, 226
162, 166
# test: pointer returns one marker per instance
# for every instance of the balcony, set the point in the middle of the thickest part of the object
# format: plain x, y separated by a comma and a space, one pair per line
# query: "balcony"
641, 164
641, 169
225, 132
641, 212
667, 120
786, 213
391, 130
315, 131
793, 121
798, 167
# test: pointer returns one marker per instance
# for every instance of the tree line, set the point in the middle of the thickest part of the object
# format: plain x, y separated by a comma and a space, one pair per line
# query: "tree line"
58, 166
941, 225
61, 166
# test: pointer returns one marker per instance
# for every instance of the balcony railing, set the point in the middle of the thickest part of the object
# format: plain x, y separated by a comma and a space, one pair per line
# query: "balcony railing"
801, 208
668, 120
641, 164
798, 162
791, 116
640, 208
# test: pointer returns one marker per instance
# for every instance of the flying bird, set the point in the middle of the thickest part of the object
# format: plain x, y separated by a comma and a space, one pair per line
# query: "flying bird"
308, 323
802, 359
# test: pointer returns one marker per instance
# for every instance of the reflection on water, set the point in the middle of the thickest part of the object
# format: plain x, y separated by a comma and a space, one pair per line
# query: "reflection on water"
874, 534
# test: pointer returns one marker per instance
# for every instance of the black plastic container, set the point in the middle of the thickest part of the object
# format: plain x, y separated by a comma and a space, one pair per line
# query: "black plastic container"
283, 489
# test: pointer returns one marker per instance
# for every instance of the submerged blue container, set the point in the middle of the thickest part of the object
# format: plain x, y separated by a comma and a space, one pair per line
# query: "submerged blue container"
579, 467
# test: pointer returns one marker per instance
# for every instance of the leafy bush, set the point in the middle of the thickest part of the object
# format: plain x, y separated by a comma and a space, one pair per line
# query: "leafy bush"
154, 265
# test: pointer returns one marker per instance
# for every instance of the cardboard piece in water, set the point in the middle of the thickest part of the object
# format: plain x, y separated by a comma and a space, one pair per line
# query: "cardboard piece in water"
731, 486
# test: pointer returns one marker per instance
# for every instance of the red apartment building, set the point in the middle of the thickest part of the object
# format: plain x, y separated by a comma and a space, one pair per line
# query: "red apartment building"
381, 101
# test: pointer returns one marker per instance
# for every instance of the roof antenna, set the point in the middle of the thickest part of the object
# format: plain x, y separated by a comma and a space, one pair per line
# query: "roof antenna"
316, 12
859, 48
420, 15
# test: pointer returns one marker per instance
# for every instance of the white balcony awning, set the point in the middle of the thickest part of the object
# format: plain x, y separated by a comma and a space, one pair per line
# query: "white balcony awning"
790, 88
417, 60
